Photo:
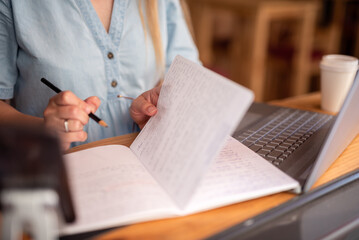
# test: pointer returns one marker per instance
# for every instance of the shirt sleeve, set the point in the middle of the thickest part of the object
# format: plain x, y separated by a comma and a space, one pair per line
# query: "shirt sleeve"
180, 41
8, 51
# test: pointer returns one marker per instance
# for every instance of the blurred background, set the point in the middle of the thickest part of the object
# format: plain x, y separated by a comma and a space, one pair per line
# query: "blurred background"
273, 46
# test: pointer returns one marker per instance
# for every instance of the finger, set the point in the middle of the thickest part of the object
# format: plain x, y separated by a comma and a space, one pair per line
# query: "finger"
72, 113
140, 106
69, 98
59, 125
73, 137
155, 95
65, 146
158, 89
94, 102
73, 126
152, 95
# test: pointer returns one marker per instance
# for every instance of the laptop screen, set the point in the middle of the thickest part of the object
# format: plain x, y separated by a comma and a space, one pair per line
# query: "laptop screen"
343, 131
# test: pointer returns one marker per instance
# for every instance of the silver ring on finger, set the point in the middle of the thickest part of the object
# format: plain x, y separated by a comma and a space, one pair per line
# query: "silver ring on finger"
66, 125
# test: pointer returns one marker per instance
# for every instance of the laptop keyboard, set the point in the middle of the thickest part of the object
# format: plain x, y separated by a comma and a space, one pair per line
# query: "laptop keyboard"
286, 130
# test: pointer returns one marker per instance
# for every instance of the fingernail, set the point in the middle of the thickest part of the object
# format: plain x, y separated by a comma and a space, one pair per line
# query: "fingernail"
151, 109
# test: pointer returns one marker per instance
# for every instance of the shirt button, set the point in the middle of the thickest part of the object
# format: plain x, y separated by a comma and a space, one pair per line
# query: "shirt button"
110, 55
114, 83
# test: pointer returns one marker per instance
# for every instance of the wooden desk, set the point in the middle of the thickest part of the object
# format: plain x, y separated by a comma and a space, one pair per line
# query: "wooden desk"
201, 225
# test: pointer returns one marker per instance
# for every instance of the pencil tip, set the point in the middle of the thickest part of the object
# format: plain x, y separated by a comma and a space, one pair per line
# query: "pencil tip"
103, 123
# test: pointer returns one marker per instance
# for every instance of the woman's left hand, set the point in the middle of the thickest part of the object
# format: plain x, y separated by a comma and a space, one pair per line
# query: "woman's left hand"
144, 106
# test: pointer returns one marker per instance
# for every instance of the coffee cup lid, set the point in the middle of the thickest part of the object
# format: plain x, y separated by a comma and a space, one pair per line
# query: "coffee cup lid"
339, 63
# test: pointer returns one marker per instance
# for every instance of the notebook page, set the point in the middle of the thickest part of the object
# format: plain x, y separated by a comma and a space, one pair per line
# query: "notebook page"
110, 187
238, 174
197, 109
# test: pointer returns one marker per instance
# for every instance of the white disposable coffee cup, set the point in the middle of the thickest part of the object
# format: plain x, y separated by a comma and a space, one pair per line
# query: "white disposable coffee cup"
337, 73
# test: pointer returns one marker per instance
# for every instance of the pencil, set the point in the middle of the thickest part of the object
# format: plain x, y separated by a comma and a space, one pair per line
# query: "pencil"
121, 96
57, 90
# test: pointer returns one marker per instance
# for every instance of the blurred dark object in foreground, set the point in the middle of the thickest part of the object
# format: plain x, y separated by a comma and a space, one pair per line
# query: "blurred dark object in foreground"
31, 162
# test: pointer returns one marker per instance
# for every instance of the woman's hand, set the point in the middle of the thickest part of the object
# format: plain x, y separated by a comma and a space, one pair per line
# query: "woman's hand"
66, 106
144, 106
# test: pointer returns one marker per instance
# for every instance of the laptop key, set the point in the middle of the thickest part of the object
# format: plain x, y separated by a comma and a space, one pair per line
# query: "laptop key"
262, 152
247, 143
261, 143
268, 149
255, 148
275, 154
277, 162
271, 145
281, 149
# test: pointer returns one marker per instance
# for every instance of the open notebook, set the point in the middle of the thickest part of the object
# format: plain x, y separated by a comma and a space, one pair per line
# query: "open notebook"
182, 162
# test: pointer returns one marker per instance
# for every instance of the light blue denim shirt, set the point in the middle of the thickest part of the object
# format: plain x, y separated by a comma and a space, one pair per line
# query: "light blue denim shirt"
65, 42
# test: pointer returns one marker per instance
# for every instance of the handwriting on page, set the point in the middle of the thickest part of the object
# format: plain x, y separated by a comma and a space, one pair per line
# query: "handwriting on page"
236, 174
109, 183
196, 110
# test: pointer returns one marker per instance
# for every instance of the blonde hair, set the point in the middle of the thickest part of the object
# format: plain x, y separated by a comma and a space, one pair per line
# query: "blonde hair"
153, 25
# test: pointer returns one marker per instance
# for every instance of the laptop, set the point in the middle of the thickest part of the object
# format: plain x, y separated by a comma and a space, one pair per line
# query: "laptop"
301, 143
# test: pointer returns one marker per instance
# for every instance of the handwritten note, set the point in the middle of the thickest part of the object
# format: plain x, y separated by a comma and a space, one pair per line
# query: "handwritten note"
238, 173
110, 186
197, 109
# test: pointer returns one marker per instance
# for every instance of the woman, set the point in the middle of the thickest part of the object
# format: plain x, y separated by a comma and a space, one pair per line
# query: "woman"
96, 50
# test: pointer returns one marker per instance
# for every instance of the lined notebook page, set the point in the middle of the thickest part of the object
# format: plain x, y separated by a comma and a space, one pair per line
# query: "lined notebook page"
110, 187
238, 174
197, 109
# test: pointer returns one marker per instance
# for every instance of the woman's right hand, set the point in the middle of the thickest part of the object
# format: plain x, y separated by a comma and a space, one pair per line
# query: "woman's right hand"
66, 106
